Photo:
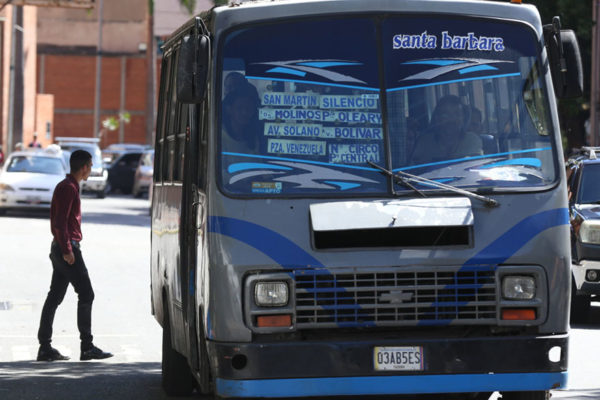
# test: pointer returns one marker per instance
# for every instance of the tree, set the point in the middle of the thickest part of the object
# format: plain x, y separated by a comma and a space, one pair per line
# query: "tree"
576, 15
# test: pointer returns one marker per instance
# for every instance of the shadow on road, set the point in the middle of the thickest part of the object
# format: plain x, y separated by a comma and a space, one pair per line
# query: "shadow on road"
37, 214
80, 380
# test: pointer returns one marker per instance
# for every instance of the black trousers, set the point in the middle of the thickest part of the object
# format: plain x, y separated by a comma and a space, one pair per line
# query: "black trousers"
62, 275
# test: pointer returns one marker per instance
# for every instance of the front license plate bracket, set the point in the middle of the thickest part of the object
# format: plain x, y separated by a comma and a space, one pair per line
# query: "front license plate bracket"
402, 358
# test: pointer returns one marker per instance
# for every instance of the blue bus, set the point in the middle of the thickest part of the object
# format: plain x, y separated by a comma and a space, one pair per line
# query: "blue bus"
363, 198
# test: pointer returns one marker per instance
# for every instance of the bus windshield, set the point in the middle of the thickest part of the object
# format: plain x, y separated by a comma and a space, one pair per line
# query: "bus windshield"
460, 101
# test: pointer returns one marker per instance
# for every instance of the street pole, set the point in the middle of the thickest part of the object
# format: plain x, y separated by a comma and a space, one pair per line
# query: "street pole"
98, 72
11, 85
150, 75
595, 84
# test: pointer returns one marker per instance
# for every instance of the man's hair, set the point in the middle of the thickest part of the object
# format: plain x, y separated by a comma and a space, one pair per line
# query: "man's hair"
79, 158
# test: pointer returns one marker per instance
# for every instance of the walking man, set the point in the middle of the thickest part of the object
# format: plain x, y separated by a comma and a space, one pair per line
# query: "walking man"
67, 263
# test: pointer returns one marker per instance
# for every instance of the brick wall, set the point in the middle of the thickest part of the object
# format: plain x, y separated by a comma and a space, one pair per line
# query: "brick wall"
72, 78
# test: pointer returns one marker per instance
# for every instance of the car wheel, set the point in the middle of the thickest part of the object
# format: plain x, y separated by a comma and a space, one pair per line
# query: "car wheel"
100, 194
2, 211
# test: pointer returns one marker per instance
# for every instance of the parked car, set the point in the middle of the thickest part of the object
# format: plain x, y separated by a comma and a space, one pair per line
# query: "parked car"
584, 215
28, 179
122, 171
111, 152
98, 179
143, 174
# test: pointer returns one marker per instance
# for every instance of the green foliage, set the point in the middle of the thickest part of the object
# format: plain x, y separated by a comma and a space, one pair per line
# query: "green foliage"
113, 123
221, 2
575, 15
190, 5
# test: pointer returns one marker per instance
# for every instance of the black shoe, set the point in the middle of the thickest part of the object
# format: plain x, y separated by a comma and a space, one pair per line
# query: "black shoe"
50, 354
94, 353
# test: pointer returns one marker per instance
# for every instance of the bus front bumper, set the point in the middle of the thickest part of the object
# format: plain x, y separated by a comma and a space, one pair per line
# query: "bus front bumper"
324, 368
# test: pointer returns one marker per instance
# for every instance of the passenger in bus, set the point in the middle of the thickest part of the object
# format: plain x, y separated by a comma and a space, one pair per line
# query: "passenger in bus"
242, 129
447, 137
232, 81
475, 121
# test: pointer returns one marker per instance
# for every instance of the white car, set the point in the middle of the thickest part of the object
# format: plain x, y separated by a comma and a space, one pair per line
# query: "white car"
98, 178
143, 175
28, 179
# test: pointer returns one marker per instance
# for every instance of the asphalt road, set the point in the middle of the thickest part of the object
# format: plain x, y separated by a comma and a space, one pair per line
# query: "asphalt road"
116, 250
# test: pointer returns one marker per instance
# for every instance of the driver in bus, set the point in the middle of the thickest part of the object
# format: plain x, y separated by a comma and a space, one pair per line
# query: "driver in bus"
447, 137
241, 127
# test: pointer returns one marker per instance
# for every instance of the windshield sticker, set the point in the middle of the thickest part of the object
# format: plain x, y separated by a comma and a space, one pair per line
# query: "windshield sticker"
353, 153
306, 175
296, 130
320, 131
318, 177
340, 132
315, 67
290, 99
272, 114
447, 41
349, 102
296, 147
422, 41
267, 187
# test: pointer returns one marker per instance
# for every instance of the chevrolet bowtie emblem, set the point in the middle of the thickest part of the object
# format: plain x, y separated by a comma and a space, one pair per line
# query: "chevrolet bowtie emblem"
396, 296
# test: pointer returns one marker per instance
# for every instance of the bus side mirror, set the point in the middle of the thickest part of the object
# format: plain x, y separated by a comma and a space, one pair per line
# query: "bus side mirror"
192, 68
565, 61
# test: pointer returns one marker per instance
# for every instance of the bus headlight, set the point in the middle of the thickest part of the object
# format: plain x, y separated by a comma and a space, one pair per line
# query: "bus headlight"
518, 287
271, 294
590, 232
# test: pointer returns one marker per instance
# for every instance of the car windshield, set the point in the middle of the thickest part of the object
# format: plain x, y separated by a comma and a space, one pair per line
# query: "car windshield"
590, 189
36, 164
460, 101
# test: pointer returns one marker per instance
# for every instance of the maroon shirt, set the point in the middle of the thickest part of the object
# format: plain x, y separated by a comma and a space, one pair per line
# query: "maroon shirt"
65, 213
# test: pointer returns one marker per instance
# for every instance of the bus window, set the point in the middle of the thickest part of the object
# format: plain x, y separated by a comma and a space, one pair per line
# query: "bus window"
479, 73
301, 115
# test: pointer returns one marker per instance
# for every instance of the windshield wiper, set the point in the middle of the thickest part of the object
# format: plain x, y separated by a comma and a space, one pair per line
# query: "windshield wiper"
398, 179
405, 179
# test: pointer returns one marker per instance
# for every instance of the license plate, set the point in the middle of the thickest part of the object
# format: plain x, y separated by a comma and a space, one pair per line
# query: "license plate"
33, 199
409, 358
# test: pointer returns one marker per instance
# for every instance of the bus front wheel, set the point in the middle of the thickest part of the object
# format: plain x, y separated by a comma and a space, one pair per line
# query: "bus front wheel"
580, 305
177, 380
540, 395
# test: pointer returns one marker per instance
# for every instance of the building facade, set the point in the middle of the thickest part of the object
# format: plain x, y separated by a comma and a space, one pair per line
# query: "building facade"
74, 70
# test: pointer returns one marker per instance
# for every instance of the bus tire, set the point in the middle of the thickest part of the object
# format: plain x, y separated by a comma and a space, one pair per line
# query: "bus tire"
177, 379
539, 395
204, 378
580, 306
580, 309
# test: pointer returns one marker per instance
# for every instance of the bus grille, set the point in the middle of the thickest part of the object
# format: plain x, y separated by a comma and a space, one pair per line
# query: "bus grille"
410, 297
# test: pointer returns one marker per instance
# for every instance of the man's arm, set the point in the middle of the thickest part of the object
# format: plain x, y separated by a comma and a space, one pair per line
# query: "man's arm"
64, 202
